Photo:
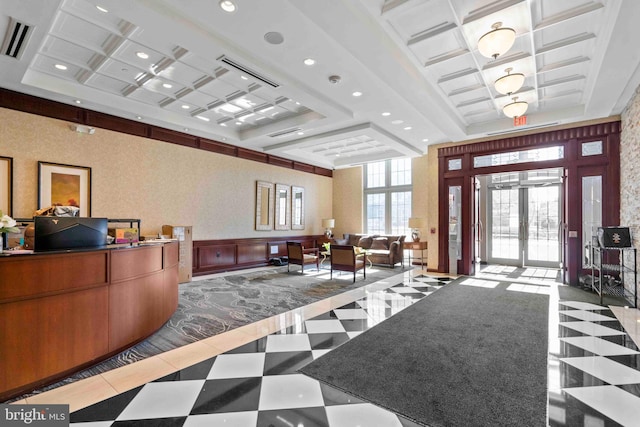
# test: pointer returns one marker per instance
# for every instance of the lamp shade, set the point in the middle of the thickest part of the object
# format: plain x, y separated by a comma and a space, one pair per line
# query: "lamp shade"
416, 222
516, 108
497, 41
328, 223
510, 83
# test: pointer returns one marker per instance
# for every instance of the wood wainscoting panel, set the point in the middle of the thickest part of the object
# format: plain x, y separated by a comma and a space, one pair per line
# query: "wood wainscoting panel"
252, 252
216, 256
212, 256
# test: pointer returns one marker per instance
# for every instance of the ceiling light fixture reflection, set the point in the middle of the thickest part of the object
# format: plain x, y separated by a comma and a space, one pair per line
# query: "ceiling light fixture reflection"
510, 83
227, 6
515, 108
497, 41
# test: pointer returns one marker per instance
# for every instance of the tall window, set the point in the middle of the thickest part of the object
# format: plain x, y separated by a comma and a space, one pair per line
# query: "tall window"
387, 194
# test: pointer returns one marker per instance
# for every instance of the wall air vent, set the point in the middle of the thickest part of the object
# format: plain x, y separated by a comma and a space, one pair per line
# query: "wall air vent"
284, 133
15, 40
233, 64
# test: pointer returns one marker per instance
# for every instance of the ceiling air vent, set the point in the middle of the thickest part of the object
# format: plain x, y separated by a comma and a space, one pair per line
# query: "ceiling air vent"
15, 40
284, 132
233, 64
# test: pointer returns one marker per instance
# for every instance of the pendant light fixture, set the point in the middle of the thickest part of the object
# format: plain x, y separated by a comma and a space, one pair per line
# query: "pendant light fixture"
515, 108
497, 41
510, 83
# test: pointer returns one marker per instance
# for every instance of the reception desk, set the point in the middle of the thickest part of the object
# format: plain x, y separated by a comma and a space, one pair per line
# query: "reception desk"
64, 311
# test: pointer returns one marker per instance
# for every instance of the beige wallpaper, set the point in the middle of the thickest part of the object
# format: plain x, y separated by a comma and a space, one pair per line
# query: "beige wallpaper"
159, 183
348, 209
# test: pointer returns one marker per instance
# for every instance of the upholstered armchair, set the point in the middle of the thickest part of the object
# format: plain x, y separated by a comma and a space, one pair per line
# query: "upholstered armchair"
297, 254
344, 258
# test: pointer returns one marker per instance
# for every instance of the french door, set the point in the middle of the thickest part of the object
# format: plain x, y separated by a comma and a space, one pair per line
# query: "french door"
524, 221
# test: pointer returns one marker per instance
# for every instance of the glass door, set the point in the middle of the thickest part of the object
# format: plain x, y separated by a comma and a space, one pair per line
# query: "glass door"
525, 218
542, 226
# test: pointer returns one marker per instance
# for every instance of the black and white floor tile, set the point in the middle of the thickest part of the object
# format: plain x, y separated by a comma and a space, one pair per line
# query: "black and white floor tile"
594, 371
257, 384
594, 375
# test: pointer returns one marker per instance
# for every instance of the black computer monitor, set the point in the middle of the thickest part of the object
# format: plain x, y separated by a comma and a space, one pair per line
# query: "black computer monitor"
59, 232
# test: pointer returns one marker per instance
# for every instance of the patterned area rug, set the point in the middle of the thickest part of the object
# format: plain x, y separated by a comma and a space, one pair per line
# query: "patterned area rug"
216, 305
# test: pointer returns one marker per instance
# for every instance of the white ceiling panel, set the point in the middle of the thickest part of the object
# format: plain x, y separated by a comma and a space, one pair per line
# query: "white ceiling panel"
417, 60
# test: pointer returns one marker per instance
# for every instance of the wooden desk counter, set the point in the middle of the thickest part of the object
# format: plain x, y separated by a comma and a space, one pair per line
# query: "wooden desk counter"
63, 311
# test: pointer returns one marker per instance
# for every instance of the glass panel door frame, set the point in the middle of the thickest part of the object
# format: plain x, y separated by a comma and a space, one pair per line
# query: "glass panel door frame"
524, 196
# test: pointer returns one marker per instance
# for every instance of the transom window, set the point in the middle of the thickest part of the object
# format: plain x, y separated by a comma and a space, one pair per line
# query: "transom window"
387, 194
524, 156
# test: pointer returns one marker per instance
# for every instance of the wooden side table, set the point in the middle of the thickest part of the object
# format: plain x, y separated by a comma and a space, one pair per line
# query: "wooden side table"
416, 246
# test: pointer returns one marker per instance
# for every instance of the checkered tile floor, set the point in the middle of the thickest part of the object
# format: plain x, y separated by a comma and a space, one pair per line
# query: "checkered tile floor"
594, 375
257, 384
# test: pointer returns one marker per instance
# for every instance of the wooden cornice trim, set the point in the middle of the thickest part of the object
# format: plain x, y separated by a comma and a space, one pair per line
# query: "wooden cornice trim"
47, 108
537, 139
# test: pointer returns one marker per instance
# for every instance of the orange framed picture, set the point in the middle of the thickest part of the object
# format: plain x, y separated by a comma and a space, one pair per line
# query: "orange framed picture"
64, 185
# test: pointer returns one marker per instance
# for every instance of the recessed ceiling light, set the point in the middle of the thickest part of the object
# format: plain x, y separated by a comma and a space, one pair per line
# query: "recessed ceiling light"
167, 85
244, 77
61, 67
309, 61
227, 6
206, 119
185, 107
425, 140
397, 122
356, 93
238, 123
186, 129
407, 128
300, 133
386, 113
101, 9
78, 101
223, 124
142, 55
139, 117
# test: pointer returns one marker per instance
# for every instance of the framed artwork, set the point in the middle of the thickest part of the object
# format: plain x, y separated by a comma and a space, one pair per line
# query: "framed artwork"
264, 206
282, 207
297, 208
64, 185
6, 185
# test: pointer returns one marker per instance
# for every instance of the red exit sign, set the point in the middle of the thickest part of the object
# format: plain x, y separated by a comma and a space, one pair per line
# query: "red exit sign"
520, 121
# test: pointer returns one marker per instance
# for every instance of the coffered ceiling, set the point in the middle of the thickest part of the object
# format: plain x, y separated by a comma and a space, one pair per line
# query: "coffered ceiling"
240, 77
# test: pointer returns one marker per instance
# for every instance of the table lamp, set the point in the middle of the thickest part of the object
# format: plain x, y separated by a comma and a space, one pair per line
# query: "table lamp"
415, 224
328, 224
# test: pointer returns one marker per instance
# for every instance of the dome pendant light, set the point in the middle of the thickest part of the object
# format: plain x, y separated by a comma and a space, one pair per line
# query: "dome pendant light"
497, 41
515, 108
510, 83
